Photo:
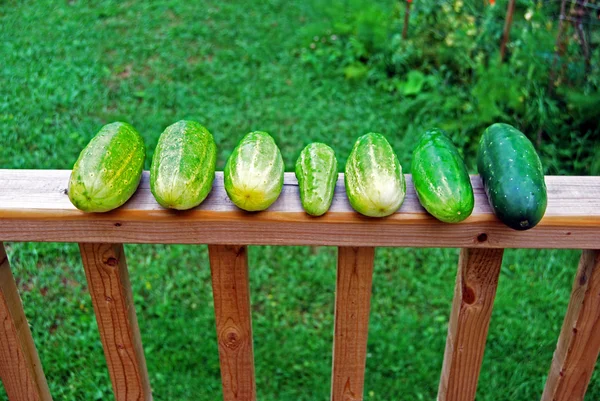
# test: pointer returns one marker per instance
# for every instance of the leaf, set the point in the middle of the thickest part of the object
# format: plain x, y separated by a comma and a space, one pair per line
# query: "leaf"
413, 84
355, 71
595, 167
496, 91
584, 106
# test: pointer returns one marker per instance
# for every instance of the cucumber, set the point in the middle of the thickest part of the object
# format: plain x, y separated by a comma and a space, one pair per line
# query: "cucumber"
374, 181
254, 172
316, 171
512, 176
108, 170
441, 178
183, 166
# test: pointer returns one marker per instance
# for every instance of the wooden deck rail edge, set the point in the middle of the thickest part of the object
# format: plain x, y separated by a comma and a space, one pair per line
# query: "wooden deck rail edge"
34, 206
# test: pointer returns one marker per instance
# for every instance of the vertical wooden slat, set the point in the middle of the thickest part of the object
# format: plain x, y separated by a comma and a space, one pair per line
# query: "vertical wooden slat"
474, 293
108, 281
559, 46
352, 305
231, 293
406, 19
579, 341
20, 368
507, 24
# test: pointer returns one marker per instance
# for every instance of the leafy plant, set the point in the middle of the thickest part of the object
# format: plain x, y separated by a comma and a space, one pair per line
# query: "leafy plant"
448, 72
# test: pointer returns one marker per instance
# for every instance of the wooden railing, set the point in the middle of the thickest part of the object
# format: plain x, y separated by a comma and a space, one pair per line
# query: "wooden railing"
34, 207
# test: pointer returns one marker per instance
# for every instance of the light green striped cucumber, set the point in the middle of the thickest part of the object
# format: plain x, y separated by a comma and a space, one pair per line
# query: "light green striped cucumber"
441, 178
108, 170
183, 167
254, 172
375, 184
316, 171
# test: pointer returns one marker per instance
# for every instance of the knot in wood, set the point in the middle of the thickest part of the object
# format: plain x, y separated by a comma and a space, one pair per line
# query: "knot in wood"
231, 338
482, 237
349, 394
468, 295
240, 252
112, 261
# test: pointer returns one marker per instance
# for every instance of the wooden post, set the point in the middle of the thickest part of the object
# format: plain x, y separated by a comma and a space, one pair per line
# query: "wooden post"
559, 44
507, 26
108, 281
352, 305
406, 19
474, 294
579, 342
20, 367
580, 13
231, 292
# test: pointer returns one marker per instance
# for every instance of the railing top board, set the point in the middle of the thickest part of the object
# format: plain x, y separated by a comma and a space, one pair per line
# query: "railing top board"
34, 206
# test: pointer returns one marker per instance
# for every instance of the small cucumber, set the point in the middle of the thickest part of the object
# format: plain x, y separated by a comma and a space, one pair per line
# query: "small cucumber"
108, 170
512, 176
374, 181
183, 166
441, 178
254, 172
316, 171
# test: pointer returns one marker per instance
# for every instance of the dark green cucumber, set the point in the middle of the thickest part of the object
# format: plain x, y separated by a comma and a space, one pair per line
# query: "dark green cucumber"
441, 178
108, 170
512, 175
183, 166
316, 171
374, 181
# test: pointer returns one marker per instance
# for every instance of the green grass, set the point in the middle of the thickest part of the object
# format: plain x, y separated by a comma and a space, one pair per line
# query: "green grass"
69, 67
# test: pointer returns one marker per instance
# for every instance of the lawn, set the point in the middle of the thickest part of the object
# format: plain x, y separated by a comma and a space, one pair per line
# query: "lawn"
69, 67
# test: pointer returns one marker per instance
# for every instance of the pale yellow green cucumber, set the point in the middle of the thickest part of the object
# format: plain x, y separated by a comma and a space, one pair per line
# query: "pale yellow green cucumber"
374, 181
183, 166
108, 170
316, 171
253, 173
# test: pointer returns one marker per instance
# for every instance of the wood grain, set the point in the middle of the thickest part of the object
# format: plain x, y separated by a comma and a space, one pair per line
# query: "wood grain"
108, 282
20, 367
231, 293
474, 293
34, 207
579, 342
352, 305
